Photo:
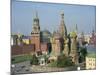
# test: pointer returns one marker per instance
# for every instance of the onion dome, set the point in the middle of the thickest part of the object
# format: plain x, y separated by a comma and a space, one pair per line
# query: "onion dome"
73, 34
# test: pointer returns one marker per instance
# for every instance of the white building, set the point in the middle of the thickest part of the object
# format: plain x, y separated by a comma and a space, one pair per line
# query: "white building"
91, 61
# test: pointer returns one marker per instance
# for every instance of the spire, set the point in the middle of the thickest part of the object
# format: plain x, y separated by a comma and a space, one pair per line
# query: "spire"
36, 14
82, 34
36, 26
76, 28
93, 33
62, 28
62, 15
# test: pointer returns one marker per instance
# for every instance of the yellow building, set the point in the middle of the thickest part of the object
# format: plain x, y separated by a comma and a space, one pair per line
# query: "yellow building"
26, 40
90, 61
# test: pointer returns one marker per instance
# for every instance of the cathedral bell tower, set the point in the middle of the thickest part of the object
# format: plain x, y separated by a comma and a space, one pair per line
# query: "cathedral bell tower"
35, 34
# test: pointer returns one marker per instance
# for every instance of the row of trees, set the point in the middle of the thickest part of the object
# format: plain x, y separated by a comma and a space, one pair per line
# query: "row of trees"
34, 60
82, 54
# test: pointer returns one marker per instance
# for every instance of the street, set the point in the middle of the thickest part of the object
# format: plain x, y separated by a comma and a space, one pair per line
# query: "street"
25, 67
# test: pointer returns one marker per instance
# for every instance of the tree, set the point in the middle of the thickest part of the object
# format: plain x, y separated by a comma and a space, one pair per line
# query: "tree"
34, 60
64, 61
83, 53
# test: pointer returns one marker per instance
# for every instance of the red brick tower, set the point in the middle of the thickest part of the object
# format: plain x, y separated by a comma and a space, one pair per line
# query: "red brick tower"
35, 34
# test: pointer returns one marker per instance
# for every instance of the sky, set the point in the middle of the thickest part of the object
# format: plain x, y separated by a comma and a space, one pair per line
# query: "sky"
23, 13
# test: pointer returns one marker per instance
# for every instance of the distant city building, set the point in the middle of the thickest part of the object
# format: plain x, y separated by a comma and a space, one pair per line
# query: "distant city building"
81, 38
84, 38
14, 39
91, 61
26, 39
91, 57
93, 38
90, 39
87, 38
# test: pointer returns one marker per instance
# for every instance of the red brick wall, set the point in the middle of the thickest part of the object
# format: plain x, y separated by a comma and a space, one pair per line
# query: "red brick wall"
44, 46
36, 40
22, 49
